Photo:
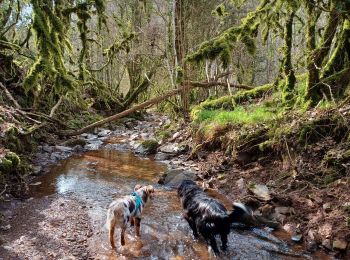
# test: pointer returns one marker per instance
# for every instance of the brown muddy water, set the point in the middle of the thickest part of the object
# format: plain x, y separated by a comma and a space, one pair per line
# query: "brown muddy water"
96, 177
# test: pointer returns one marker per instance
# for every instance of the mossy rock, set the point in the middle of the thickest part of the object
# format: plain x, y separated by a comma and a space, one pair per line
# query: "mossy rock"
9, 163
148, 147
12, 141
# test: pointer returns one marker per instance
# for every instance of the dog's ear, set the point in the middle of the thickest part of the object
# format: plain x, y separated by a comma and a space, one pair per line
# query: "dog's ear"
137, 187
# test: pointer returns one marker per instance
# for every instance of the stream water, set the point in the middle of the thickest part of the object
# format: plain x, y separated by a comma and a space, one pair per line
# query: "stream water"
96, 177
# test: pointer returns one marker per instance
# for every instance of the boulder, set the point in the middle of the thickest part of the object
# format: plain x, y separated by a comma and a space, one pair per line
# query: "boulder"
147, 147
174, 177
169, 148
163, 156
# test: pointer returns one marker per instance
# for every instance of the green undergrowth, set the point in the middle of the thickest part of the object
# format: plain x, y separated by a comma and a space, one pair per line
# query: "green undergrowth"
262, 126
240, 115
230, 102
84, 119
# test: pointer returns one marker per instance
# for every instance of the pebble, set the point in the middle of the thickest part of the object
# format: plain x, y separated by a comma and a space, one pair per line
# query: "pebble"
340, 244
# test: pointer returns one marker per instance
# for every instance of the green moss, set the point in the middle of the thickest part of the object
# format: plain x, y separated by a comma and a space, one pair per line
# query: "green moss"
239, 115
13, 158
9, 163
150, 146
12, 141
162, 134
229, 102
5, 165
86, 118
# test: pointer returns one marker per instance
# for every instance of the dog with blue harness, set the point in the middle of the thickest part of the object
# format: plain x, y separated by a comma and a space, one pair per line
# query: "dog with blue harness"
127, 209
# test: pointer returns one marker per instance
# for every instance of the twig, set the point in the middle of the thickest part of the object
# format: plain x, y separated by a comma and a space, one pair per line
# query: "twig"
53, 110
9, 96
290, 159
24, 114
2, 192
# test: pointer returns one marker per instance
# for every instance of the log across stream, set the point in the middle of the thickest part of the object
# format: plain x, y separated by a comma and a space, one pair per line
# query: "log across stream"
65, 217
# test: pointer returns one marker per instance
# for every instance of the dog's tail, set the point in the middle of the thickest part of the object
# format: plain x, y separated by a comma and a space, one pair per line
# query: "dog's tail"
240, 213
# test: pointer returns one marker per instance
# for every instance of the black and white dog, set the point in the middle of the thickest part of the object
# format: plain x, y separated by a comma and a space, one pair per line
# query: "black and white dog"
207, 216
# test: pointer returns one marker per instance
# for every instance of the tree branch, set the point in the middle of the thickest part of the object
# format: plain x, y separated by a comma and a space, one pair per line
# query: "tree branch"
9, 96
148, 103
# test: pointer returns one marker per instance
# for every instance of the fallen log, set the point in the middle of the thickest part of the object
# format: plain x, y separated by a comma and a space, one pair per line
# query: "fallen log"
149, 103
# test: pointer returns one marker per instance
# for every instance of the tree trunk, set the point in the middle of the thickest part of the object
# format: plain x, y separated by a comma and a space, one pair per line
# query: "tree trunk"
287, 59
179, 47
336, 62
317, 55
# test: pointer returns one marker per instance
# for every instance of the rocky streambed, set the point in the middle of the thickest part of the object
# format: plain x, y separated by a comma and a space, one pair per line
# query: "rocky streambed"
64, 216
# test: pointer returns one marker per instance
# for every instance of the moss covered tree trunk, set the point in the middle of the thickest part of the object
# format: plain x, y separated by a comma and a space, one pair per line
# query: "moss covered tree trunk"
316, 56
179, 47
287, 59
337, 59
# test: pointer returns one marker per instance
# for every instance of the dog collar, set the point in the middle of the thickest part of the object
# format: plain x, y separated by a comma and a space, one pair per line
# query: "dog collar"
138, 200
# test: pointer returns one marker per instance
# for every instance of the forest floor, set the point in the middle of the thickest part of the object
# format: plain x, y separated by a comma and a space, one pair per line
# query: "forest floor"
308, 214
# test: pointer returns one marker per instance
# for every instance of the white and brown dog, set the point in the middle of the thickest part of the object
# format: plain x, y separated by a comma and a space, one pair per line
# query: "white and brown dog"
127, 209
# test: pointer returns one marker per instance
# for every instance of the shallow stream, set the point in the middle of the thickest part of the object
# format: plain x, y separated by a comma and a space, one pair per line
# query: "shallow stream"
96, 177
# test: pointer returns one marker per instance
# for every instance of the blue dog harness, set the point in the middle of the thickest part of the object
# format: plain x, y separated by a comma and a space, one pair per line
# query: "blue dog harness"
138, 201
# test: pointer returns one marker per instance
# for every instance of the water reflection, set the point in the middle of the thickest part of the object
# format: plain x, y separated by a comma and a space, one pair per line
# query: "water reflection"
97, 177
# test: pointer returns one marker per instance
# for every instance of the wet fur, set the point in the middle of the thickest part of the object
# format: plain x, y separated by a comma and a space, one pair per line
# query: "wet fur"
122, 211
206, 216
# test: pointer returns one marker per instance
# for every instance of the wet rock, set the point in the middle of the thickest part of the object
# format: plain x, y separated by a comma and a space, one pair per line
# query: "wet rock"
339, 244
104, 133
123, 147
327, 207
91, 137
260, 191
93, 145
169, 148
48, 149
173, 178
327, 244
163, 156
56, 156
147, 147
61, 148
297, 238
291, 228
78, 149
